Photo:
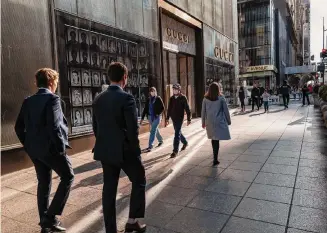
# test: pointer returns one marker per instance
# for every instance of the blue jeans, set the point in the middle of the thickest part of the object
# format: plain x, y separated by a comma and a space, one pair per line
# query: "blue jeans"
178, 135
266, 104
154, 132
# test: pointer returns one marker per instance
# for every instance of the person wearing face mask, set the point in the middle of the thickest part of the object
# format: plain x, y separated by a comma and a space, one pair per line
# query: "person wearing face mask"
178, 105
117, 147
153, 110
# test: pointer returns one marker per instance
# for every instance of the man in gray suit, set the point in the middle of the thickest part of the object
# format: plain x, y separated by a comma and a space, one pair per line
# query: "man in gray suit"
42, 129
117, 147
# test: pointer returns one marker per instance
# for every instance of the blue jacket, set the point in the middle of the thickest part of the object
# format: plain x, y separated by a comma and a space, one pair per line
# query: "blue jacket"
115, 126
41, 125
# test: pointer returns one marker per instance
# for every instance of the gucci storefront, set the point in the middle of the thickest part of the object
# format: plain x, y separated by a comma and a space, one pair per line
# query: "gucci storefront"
219, 52
162, 42
179, 56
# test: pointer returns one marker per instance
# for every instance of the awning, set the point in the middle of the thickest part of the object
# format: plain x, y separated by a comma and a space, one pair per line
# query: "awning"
257, 74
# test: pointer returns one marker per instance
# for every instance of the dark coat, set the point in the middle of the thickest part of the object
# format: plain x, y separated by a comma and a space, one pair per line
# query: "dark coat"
158, 107
241, 94
41, 125
177, 108
115, 126
255, 92
285, 89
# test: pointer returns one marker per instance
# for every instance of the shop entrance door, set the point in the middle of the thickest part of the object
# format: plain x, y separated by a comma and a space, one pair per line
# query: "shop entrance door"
179, 68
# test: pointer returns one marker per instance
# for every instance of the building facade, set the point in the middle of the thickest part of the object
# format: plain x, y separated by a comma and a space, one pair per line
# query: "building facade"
257, 47
161, 42
306, 32
270, 39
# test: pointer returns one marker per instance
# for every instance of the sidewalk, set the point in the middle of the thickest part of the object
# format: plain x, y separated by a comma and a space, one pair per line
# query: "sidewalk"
272, 179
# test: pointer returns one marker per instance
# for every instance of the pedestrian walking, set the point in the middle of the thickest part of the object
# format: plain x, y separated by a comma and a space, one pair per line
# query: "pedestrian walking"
241, 96
42, 129
154, 107
117, 147
215, 118
285, 91
262, 90
305, 94
265, 97
255, 93
178, 105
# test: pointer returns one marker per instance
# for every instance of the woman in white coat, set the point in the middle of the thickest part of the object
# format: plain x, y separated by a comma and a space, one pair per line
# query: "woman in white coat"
215, 118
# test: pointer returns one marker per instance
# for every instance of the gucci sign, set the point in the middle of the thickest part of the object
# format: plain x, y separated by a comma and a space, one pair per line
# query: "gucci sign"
177, 35
224, 54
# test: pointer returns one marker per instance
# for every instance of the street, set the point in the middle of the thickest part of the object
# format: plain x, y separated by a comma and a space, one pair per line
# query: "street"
272, 178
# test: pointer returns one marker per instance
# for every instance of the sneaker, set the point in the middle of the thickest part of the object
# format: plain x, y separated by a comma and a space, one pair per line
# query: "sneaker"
135, 227
173, 155
52, 224
215, 163
184, 147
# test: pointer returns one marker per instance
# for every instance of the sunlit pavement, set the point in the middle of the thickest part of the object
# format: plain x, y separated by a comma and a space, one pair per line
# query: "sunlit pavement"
272, 179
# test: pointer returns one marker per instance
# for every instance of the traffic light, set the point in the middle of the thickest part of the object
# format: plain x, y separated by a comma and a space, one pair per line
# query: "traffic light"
323, 53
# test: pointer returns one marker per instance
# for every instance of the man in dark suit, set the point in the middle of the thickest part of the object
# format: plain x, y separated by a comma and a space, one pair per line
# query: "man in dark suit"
117, 147
42, 129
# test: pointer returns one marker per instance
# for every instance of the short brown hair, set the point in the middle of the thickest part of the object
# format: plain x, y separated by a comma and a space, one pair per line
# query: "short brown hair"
44, 76
116, 71
213, 92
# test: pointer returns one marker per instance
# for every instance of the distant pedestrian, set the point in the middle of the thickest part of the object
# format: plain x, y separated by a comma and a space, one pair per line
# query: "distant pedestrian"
265, 97
285, 91
117, 147
215, 118
305, 94
154, 107
178, 105
42, 129
241, 96
262, 90
255, 94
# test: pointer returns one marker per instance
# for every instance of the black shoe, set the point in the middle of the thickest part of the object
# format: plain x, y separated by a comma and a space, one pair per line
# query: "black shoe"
215, 163
160, 144
173, 155
135, 227
51, 225
184, 147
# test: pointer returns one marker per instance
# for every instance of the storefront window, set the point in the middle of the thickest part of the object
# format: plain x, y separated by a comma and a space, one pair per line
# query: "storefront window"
84, 57
223, 74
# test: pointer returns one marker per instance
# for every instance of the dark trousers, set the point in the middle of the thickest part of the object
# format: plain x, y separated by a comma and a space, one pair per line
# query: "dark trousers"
179, 137
307, 97
255, 101
242, 103
286, 100
43, 167
134, 169
215, 148
266, 104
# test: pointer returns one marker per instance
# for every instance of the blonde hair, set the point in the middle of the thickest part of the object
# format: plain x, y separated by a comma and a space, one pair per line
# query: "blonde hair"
45, 76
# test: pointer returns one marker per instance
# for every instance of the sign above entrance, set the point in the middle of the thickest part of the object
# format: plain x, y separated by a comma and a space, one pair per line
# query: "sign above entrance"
224, 54
218, 47
176, 36
251, 69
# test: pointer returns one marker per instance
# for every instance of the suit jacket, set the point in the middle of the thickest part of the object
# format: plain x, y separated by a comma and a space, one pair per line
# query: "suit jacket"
41, 125
115, 126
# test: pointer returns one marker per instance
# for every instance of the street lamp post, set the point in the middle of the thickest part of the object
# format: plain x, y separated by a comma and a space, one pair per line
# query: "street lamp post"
323, 32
